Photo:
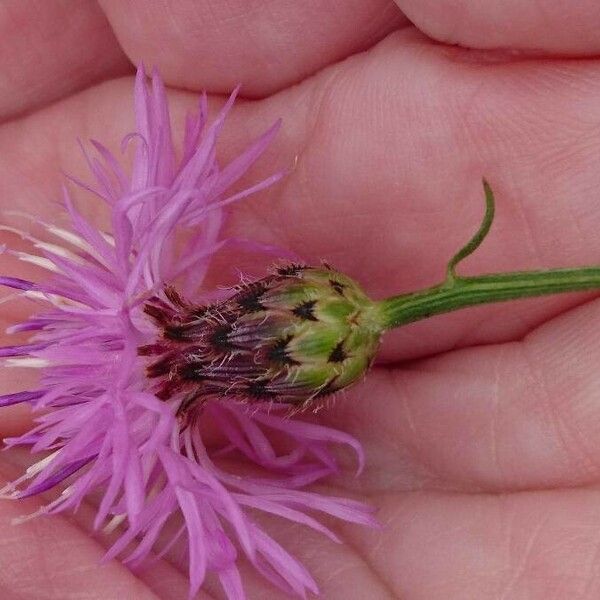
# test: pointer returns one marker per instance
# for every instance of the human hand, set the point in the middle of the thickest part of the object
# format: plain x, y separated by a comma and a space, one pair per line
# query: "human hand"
480, 427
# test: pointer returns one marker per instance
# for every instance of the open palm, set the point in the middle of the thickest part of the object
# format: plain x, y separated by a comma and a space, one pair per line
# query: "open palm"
482, 428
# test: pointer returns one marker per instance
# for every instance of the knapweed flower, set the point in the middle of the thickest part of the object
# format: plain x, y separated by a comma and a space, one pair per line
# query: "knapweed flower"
118, 401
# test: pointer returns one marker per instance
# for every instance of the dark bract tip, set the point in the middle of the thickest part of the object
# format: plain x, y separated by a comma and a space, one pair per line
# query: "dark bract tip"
291, 270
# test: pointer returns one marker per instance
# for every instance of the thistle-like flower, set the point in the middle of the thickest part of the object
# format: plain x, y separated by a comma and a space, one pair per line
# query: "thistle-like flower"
290, 338
115, 422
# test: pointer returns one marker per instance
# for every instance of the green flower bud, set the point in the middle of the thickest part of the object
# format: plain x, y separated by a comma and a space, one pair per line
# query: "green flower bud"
291, 337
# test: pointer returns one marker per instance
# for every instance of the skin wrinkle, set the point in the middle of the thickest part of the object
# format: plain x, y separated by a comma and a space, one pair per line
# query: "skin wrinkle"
522, 563
366, 557
591, 579
574, 220
508, 519
401, 446
318, 95
427, 473
407, 413
576, 150
539, 261
593, 569
565, 434
494, 393
466, 117
314, 101
368, 564
338, 573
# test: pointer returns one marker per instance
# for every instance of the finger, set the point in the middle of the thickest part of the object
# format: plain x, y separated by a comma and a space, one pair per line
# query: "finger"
50, 49
264, 46
529, 545
542, 27
504, 417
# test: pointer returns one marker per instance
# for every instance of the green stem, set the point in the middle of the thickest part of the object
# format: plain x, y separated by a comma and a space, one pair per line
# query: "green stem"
460, 292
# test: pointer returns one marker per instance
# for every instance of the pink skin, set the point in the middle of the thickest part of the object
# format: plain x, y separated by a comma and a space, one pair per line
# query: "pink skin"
483, 449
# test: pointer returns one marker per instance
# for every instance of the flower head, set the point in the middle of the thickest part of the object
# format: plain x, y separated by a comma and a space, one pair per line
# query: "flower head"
292, 337
105, 426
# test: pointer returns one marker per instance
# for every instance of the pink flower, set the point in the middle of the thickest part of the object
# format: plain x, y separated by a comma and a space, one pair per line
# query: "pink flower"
101, 428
